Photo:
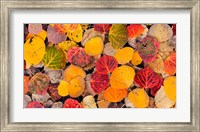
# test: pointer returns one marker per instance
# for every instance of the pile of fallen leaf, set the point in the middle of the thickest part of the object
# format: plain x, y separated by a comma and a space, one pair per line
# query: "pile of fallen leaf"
99, 65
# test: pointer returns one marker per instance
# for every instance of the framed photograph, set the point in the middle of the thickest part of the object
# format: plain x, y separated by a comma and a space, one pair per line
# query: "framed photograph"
100, 65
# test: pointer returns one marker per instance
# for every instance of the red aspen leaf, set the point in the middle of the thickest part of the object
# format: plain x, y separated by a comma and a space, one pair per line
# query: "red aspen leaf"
26, 84
102, 28
147, 78
34, 28
174, 29
148, 48
99, 82
115, 95
170, 64
135, 30
77, 56
72, 103
154, 90
34, 104
106, 64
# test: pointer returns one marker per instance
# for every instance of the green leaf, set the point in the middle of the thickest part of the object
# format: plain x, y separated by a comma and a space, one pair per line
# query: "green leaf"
54, 58
118, 35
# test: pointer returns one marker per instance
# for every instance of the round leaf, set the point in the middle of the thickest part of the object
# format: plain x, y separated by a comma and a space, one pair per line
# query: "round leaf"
106, 64
118, 35
136, 59
170, 64
124, 55
54, 58
122, 77
34, 50
170, 87
115, 95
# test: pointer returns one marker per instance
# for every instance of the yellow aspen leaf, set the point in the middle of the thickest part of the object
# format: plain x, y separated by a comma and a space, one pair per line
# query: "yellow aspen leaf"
161, 100
76, 34
122, 77
65, 46
84, 26
139, 98
94, 46
115, 95
77, 87
42, 35
89, 102
136, 59
124, 55
34, 50
170, 87
63, 88
73, 71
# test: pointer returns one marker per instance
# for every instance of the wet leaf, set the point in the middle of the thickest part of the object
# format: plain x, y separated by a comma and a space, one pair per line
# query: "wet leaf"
147, 78
94, 46
162, 32
106, 64
122, 77
170, 64
139, 98
148, 48
162, 101
124, 55
99, 82
118, 35
77, 56
54, 58
170, 87
39, 83
114, 95
72, 103
89, 102
34, 28
34, 50
73, 71
136, 59
102, 28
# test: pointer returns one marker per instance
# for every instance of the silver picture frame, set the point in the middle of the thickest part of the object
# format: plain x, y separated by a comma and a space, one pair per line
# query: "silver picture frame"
7, 6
